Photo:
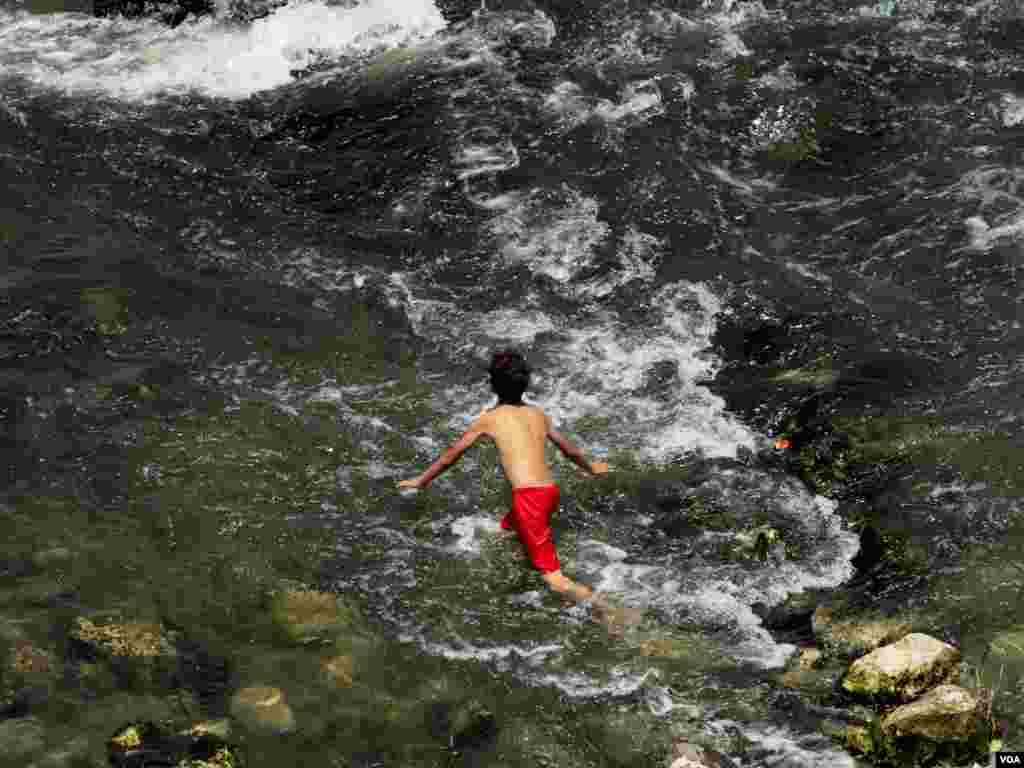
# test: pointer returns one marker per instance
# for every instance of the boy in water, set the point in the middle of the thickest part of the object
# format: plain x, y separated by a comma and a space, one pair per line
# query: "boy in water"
520, 431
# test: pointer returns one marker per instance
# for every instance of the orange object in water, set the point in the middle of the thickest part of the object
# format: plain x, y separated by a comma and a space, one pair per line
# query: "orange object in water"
782, 443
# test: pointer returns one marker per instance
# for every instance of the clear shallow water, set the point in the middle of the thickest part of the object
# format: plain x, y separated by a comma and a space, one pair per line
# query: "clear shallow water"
599, 186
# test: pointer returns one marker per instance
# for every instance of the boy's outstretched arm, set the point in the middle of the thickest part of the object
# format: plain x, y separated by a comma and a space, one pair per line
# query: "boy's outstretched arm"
447, 459
570, 451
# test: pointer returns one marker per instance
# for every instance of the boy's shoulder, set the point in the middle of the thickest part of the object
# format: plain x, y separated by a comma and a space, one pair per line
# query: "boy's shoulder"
500, 412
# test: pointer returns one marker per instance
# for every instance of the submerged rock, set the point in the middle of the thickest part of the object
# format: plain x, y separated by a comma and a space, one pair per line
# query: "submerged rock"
339, 670
263, 707
945, 713
307, 614
30, 661
133, 639
904, 669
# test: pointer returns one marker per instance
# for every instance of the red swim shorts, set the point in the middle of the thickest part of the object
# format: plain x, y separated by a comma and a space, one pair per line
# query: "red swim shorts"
531, 519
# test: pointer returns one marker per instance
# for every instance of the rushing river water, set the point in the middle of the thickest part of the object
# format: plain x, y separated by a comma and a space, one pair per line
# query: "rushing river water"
253, 271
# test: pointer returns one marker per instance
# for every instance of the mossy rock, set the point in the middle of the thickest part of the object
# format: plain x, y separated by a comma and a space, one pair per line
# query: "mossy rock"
945, 713
129, 639
308, 615
106, 305
875, 746
156, 743
903, 670
221, 756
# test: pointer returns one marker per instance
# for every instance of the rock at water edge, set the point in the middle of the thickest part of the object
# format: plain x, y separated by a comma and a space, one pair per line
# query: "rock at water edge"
945, 713
904, 669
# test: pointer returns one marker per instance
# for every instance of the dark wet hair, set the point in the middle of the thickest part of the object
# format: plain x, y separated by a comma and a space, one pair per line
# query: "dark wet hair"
510, 376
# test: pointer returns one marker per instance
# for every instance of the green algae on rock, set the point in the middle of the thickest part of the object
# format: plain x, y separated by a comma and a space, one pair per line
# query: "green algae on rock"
904, 669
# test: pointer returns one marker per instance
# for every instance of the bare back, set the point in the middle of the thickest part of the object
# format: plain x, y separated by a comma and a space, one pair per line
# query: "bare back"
520, 432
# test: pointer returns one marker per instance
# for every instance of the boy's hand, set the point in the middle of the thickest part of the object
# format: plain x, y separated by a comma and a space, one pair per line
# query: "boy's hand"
415, 483
599, 467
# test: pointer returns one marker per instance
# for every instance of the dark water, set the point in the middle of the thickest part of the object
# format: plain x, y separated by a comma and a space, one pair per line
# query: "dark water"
253, 272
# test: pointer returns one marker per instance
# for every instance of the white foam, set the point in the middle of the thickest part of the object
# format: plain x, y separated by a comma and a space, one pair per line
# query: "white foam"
521, 326
480, 159
139, 59
468, 651
720, 596
782, 79
623, 681
784, 748
638, 254
604, 361
554, 237
567, 101
639, 99
982, 236
470, 530
1013, 110
746, 187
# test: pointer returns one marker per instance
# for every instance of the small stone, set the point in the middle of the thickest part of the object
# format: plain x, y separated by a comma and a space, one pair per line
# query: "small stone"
263, 707
904, 669
339, 669
792, 678
809, 658
29, 660
306, 613
945, 713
